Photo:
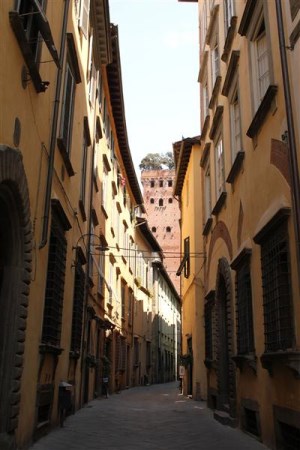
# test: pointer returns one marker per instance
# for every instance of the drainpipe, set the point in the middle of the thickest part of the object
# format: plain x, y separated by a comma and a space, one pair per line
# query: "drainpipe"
295, 188
54, 128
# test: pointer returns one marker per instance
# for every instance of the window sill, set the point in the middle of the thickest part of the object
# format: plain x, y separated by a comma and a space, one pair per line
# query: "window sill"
74, 354
220, 203
207, 226
82, 210
215, 91
236, 167
262, 111
65, 156
51, 349
104, 211
145, 290
288, 358
210, 363
205, 127
243, 361
229, 39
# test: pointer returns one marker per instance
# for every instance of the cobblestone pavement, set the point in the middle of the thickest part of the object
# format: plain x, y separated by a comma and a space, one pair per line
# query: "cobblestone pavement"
151, 417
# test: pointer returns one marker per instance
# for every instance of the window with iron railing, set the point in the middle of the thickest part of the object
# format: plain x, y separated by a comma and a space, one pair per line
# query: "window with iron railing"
55, 284
245, 337
136, 354
77, 316
277, 297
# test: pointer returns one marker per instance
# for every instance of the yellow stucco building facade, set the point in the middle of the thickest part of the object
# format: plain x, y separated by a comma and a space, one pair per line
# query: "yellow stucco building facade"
76, 271
239, 191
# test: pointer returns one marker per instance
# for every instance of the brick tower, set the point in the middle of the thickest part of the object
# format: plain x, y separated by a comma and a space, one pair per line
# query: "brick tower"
163, 216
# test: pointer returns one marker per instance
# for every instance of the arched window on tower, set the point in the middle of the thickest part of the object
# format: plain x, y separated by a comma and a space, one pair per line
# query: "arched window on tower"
153, 229
151, 200
168, 229
160, 202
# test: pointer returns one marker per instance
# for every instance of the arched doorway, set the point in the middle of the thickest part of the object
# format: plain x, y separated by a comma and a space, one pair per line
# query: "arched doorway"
15, 268
225, 346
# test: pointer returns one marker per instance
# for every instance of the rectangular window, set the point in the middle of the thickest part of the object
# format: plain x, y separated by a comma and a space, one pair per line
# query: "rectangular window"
123, 300
220, 169
148, 354
259, 61
30, 20
55, 284
205, 100
84, 16
78, 300
83, 170
66, 119
104, 188
130, 306
207, 193
245, 338
136, 355
186, 244
215, 60
277, 297
228, 12
101, 275
235, 122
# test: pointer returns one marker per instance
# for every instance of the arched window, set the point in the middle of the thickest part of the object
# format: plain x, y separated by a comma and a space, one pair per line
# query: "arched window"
161, 202
170, 183
168, 229
170, 200
152, 200
153, 229
152, 183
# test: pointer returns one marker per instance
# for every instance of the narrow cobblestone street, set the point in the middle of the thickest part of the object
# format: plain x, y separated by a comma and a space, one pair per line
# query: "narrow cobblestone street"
151, 417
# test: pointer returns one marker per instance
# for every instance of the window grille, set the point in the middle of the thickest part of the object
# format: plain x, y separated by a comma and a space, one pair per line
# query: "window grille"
276, 290
245, 338
55, 284
136, 352
44, 402
78, 300
250, 422
290, 436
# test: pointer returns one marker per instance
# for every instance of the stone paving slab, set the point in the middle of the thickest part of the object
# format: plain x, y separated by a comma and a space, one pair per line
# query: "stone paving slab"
153, 417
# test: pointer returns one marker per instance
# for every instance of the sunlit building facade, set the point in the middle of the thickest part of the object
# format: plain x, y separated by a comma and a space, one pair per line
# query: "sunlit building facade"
248, 349
69, 206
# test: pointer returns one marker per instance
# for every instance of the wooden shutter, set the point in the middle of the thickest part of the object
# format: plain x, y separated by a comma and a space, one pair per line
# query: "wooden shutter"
84, 16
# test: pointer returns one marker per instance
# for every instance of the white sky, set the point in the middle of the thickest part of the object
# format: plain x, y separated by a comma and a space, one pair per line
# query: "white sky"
159, 58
